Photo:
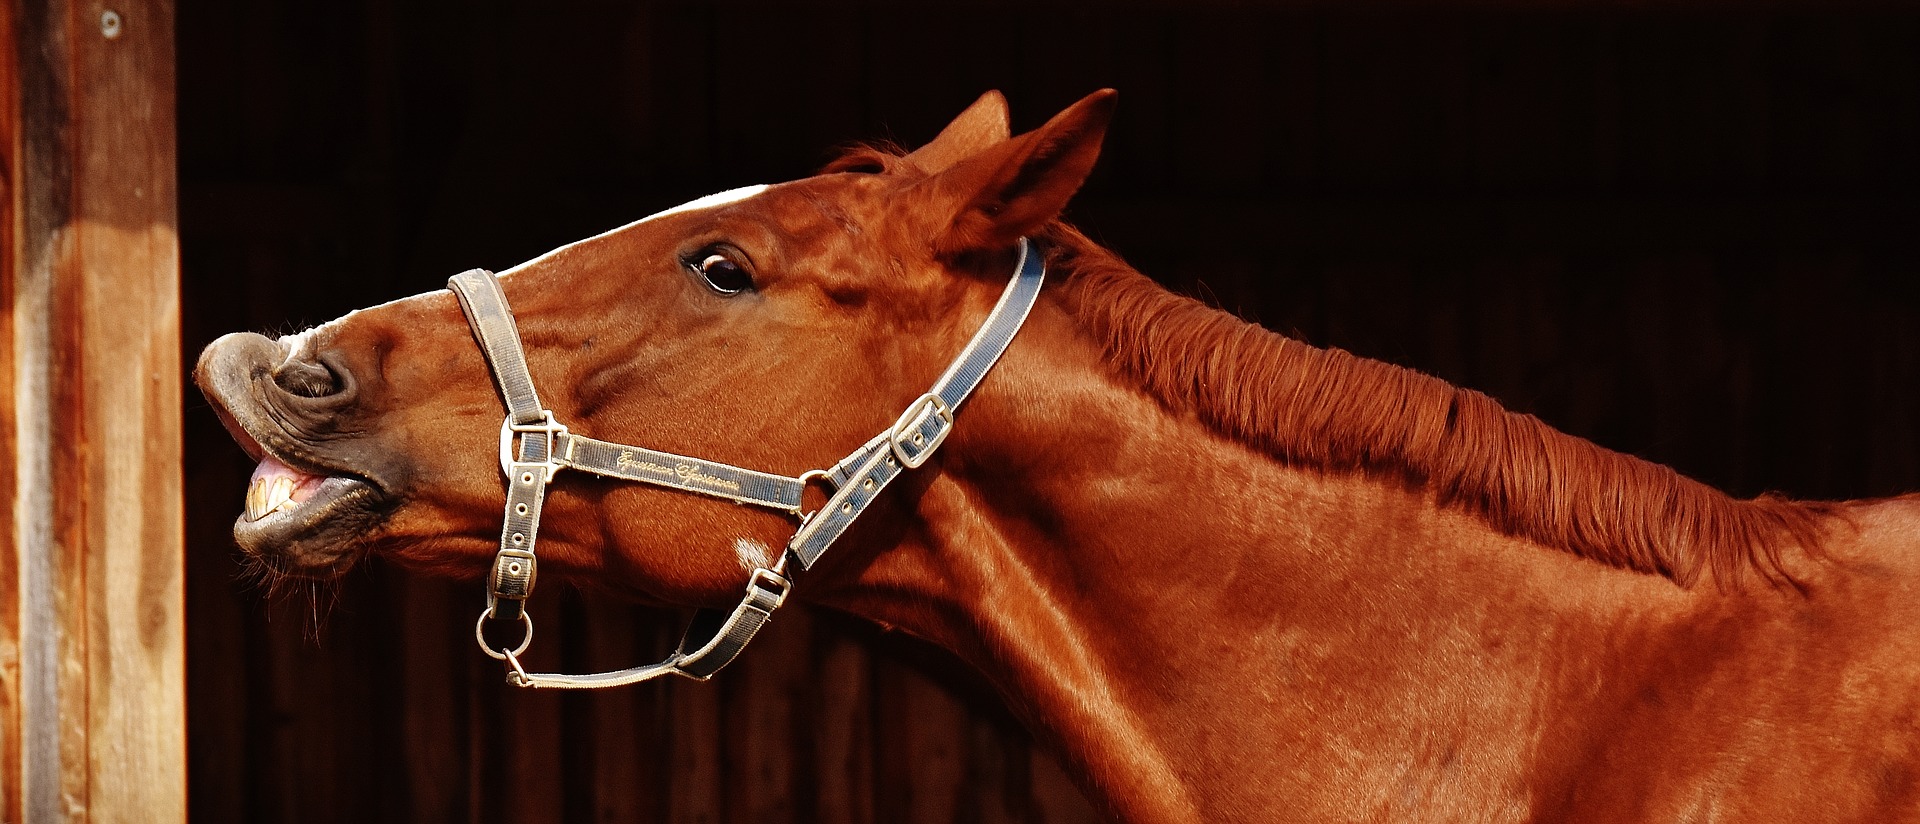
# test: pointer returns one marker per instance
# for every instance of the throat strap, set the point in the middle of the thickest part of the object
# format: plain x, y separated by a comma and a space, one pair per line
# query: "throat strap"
715, 637
926, 423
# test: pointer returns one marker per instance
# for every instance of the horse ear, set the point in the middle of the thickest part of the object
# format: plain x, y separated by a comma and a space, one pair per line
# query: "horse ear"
982, 126
1010, 190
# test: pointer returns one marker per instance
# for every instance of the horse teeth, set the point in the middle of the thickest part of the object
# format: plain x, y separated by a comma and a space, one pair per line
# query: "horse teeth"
280, 494
265, 497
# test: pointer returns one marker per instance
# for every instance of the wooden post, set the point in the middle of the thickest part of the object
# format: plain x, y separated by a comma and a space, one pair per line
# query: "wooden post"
91, 639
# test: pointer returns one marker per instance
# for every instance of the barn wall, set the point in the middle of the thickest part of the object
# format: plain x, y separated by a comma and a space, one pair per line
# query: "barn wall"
1688, 235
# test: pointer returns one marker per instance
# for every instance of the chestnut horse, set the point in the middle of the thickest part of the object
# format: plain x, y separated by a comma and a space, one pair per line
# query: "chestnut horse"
1226, 575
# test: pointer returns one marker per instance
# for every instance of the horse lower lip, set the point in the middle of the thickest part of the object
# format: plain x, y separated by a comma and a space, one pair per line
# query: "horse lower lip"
315, 533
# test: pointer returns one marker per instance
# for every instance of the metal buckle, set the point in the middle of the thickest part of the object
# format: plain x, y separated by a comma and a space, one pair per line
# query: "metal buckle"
552, 430
907, 427
513, 574
766, 580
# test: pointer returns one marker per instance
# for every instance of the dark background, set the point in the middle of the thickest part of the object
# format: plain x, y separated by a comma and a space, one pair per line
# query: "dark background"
1689, 234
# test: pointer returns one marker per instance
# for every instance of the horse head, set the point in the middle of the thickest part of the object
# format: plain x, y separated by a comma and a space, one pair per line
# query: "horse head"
772, 327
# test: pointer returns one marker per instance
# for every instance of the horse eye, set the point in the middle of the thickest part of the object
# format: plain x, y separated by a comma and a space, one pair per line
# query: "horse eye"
724, 274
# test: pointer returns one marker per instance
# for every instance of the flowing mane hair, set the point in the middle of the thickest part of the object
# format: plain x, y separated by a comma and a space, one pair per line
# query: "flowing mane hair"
1327, 409
1330, 410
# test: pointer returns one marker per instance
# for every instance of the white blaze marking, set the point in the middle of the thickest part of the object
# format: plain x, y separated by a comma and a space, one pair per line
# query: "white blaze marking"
297, 343
752, 553
715, 199
708, 202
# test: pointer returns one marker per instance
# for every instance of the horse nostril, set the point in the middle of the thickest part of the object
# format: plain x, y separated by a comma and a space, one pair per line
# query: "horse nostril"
308, 379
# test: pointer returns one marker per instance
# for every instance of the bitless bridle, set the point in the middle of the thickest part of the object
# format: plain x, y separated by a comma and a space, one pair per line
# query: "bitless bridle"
714, 637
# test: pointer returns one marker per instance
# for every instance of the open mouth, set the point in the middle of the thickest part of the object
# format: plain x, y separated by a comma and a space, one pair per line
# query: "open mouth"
301, 520
306, 519
277, 489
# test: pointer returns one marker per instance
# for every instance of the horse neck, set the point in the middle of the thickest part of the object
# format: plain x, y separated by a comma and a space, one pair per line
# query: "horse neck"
1147, 591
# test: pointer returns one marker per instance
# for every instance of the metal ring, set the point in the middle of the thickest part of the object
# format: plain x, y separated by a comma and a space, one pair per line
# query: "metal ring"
806, 479
480, 635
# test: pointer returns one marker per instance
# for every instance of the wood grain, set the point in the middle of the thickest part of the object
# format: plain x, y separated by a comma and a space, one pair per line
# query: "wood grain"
97, 254
11, 799
842, 714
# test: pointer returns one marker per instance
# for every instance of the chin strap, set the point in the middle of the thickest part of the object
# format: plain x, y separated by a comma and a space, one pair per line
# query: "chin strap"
715, 637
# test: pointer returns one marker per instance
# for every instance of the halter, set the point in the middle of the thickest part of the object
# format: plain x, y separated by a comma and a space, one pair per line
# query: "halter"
714, 637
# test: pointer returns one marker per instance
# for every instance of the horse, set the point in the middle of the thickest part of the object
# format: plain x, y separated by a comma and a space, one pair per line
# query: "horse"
1223, 574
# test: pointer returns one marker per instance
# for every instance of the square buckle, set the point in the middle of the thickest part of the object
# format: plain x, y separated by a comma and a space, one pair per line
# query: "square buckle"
513, 574
767, 581
910, 444
546, 426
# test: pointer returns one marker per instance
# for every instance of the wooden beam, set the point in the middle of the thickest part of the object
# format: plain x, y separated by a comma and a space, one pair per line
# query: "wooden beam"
95, 543
11, 731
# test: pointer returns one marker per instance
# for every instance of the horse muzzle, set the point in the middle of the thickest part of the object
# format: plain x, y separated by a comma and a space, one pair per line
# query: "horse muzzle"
313, 498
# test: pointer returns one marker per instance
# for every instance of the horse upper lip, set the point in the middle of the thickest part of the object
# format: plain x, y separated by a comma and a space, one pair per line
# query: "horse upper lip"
265, 435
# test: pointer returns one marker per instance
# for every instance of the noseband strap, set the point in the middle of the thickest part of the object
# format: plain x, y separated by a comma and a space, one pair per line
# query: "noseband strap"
715, 637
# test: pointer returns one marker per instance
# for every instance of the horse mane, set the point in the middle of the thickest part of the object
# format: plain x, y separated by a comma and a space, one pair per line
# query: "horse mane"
1333, 411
